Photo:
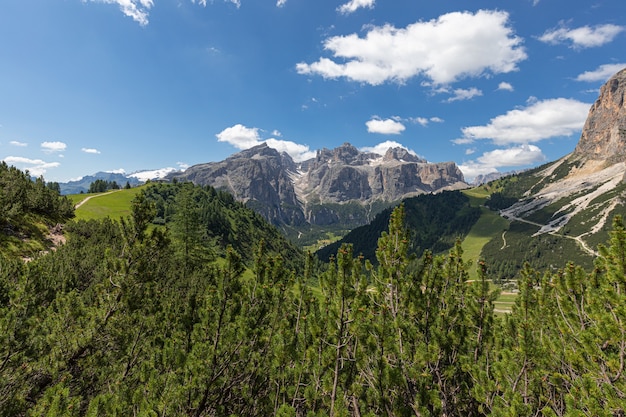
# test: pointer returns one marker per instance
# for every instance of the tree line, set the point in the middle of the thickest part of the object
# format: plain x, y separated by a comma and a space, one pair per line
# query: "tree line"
129, 319
21, 196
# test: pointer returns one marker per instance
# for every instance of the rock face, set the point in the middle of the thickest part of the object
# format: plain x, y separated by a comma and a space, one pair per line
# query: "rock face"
311, 191
344, 174
604, 134
258, 176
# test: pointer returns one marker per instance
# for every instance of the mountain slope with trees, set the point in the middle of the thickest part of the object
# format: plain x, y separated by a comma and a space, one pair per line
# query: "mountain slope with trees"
435, 222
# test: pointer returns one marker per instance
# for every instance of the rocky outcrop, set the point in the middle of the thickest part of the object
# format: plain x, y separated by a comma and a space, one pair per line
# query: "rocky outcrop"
345, 174
604, 134
317, 191
258, 176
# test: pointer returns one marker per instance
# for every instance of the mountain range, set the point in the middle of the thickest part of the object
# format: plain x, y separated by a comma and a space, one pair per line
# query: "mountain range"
81, 185
341, 186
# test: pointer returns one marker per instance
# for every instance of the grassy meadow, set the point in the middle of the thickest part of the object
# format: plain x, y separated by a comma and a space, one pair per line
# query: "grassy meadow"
113, 204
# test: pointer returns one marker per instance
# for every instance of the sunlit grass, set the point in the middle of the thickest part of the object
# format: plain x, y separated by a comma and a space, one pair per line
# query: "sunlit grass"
490, 225
115, 204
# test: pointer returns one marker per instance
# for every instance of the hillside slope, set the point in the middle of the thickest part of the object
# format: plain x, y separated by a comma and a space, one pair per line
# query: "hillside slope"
434, 221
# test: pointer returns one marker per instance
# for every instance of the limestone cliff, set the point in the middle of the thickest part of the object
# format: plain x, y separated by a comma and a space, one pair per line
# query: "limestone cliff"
258, 176
313, 191
344, 174
604, 134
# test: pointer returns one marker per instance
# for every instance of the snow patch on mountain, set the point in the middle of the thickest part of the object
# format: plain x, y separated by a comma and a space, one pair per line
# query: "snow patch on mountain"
155, 174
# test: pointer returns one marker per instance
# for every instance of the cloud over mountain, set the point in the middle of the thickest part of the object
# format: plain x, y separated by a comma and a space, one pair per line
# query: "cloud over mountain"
385, 127
602, 73
539, 120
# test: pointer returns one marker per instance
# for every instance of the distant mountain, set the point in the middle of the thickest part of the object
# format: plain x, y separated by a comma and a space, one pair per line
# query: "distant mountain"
135, 178
485, 178
339, 186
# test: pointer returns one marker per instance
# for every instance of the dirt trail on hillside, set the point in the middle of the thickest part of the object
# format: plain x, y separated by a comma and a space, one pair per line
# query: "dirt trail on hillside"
80, 203
578, 239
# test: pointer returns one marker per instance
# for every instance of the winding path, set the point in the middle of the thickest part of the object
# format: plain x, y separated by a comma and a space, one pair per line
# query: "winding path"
81, 202
578, 239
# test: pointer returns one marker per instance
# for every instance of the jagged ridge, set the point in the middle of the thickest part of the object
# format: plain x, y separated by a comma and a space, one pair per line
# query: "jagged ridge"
285, 192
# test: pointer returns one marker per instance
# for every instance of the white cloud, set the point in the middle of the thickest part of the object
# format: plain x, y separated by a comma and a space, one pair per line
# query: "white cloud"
353, 5
462, 141
20, 144
539, 120
513, 157
90, 150
35, 167
421, 120
582, 37
117, 171
138, 10
280, 3
465, 94
602, 73
519, 156
50, 147
242, 137
385, 127
454, 46
297, 151
505, 86
182, 165
424, 121
382, 148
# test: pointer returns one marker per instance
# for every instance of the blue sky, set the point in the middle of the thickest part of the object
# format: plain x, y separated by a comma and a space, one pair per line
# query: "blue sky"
110, 85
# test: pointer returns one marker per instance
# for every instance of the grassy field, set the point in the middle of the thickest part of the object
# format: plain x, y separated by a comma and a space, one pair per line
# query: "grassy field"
505, 302
113, 204
489, 225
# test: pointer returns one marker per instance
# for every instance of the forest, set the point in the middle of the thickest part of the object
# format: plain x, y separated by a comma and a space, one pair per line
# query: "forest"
160, 314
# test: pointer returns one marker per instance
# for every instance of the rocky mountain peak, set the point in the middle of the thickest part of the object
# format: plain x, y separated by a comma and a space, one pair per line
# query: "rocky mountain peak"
261, 150
401, 154
604, 134
312, 191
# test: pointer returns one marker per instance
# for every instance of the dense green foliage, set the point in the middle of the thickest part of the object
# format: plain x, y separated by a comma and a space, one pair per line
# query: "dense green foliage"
24, 203
507, 254
20, 196
131, 319
206, 217
435, 222
100, 186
